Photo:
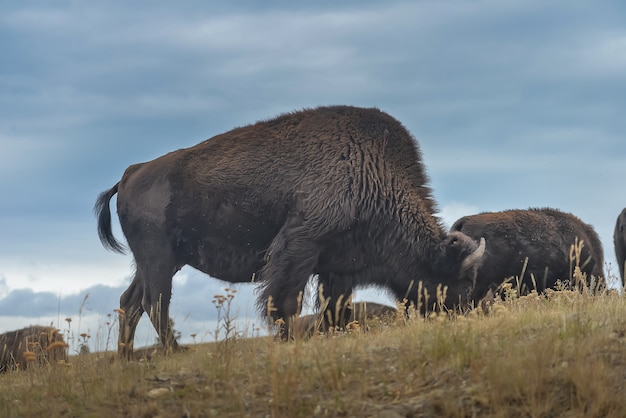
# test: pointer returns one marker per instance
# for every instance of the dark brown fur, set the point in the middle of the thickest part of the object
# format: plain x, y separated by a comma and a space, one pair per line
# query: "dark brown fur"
336, 191
545, 236
619, 239
36, 339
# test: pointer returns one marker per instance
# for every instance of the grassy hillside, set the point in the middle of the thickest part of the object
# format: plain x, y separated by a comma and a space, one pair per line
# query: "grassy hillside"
559, 354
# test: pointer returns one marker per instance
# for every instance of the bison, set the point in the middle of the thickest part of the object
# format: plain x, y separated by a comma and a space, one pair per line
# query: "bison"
337, 191
32, 345
535, 242
619, 239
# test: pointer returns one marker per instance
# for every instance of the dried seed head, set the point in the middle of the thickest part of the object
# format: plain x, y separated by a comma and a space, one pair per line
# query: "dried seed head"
57, 344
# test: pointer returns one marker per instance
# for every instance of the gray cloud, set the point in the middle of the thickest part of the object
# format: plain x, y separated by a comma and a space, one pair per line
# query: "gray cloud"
193, 293
91, 310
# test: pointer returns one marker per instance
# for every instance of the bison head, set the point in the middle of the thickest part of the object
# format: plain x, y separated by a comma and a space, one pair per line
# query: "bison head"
456, 265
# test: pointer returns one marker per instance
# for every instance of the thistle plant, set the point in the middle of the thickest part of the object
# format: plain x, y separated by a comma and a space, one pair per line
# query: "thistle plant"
225, 320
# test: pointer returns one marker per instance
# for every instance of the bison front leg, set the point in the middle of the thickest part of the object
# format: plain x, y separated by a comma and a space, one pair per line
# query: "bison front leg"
290, 261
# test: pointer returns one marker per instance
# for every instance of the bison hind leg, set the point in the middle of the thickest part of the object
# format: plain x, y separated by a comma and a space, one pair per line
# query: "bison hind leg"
150, 292
156, 302
129, 315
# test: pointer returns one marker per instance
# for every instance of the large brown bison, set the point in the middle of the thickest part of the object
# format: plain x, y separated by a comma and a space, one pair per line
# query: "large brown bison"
619, 239
543, 236
336, 191
32, 345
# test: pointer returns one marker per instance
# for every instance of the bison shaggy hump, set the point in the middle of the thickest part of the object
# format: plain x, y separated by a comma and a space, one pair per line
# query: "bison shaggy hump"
338, 191
37, 345
543, 236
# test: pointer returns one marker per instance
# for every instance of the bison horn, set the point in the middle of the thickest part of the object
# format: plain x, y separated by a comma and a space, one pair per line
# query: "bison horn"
475, 257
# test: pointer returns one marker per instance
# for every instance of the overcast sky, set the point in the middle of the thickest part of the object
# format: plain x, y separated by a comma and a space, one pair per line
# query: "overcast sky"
515, 104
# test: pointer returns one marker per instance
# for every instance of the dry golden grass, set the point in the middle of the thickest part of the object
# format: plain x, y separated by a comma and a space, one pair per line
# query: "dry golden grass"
559, 354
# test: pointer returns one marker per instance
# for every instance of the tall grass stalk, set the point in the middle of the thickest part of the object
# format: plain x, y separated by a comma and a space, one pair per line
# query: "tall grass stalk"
561, 353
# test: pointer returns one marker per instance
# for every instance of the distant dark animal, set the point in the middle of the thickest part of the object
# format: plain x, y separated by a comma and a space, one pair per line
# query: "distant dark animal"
34, 345
336, 191
361, 312
619, 239
543, 236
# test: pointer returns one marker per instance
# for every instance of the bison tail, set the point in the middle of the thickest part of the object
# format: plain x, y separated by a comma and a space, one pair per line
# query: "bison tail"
103, 212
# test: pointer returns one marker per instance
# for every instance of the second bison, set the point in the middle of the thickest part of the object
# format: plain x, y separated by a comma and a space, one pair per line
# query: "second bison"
536, 243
